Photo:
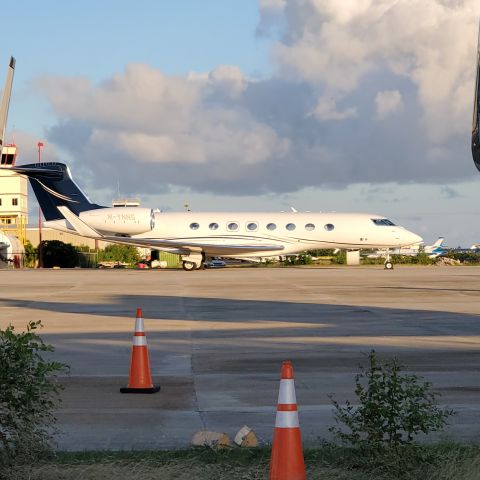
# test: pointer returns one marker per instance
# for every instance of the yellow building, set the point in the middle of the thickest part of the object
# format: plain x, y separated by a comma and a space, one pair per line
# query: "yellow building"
13, 197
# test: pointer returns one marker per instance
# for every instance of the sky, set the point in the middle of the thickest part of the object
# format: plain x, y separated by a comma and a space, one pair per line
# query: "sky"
320, 105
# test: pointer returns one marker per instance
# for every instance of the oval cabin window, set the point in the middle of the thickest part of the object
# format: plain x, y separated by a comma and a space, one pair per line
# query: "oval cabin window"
232, 226
252, 226
194, 226
309, 227
290, 226
329, 227
271, 226
213, 226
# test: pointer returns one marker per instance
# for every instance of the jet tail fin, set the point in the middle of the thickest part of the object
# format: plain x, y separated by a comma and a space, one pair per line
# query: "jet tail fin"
439, 242
7, 91
54, 187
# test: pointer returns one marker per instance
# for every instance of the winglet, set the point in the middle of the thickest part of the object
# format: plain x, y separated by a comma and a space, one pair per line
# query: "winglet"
6, 101
79, 225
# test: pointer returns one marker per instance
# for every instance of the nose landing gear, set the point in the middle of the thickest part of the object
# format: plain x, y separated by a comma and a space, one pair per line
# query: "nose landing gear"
388, 265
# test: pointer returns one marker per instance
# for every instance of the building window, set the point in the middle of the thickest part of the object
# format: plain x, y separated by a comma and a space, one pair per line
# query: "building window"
290, 226
271, 226
252, 226
309, 227
232, 226
14, 202
194, 226
329, 227
213, 226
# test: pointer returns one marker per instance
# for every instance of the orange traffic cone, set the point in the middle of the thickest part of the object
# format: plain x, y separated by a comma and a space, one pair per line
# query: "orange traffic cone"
140, 379
287, 461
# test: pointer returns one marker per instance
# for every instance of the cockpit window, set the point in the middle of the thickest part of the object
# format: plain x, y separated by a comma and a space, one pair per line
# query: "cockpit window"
383, 222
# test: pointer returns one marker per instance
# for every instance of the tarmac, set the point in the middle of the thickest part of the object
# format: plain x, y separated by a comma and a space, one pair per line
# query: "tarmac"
217, 339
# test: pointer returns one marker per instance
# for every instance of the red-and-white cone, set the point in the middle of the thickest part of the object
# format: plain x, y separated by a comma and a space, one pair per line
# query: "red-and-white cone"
287, 461
140, 379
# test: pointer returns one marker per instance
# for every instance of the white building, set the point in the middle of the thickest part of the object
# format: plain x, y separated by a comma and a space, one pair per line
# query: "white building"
13, 197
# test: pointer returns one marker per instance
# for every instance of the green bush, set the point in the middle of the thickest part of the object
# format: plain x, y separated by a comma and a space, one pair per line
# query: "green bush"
301, 259
30, 254
392, 408
58, 254
119, 253
464, 257
28, 393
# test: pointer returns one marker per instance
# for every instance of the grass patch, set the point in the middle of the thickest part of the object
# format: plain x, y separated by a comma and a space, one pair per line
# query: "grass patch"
446, 461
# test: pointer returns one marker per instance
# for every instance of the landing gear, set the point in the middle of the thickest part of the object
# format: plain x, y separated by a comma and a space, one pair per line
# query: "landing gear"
388, 265
191, 262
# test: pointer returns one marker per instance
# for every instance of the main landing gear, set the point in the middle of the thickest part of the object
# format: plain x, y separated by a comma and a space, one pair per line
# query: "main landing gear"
193, 261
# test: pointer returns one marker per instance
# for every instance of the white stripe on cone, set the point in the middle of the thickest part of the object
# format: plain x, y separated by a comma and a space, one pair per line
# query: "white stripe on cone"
140, 341
287, 420
139, 325
286, 393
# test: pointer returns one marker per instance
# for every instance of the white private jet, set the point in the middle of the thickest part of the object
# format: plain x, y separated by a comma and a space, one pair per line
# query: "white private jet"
199, 236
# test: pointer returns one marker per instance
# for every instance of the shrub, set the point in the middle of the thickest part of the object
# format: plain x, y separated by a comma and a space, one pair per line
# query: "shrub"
392, 408
28, 393
119, 253
30, 254
58, 254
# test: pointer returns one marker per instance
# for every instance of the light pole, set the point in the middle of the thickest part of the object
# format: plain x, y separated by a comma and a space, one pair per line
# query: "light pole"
40, 263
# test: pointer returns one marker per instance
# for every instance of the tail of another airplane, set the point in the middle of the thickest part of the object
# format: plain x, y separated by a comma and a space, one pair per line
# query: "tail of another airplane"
438, 243
54, 187
6, 101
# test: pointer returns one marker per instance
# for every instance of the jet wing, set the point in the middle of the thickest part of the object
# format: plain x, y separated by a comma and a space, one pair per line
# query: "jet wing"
187, 246
179, 246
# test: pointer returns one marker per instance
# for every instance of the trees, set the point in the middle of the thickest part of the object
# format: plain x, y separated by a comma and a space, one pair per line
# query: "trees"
58, 254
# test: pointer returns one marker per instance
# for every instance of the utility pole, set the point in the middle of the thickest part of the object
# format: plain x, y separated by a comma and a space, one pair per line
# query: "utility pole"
40, 262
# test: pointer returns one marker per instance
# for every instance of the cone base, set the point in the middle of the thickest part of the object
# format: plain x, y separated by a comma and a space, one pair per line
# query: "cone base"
139, 390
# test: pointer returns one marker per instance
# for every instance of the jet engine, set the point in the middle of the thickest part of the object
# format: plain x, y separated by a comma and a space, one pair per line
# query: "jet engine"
120, 220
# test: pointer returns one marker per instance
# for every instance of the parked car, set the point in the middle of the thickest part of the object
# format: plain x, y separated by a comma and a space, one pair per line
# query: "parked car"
215, 263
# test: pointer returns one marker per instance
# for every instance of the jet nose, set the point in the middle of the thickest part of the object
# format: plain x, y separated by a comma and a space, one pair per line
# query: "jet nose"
410, 238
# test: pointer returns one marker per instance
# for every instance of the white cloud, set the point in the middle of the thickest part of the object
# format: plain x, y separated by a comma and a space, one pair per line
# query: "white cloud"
334, 44
326, 109
341, 66
388, 102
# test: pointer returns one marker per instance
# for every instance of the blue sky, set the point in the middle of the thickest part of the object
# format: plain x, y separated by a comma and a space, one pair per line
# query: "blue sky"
255, 104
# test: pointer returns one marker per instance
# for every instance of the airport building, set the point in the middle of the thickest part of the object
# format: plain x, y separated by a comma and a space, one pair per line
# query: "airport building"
13, 197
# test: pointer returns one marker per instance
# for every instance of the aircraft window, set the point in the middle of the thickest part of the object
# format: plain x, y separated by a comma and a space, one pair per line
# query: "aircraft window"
383, 222
194, 226
232, 226
271, 226
290, 226
213, 226
309, 227
252, 226
329, 227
